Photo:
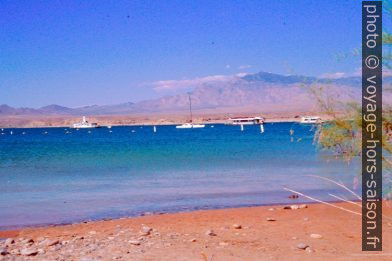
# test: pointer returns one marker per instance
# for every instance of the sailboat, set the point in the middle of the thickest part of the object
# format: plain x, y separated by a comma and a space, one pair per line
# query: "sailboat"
190, 125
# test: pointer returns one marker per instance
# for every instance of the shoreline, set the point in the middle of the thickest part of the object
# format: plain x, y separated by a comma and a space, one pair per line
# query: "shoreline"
317, 232
47, 121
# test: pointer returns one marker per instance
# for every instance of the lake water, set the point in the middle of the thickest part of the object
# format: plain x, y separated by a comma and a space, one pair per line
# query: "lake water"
49, 176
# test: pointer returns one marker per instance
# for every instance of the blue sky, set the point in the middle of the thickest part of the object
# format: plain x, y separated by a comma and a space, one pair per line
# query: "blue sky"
77, 53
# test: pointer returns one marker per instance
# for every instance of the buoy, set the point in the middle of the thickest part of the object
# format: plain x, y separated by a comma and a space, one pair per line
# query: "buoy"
155, 129
212, 126
261, 128
11, 132
242, 127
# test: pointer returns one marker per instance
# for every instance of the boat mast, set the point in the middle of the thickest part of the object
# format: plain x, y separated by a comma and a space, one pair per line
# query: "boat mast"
190, 105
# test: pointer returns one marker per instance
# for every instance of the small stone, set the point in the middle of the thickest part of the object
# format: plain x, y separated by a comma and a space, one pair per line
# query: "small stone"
15, 252
271, 219
294, 238
145, 231
92, 232
134, 242
27, 241
271, 209
53, 242
294, 207
306, 219
237, 226
40, 239
28, 252
3, 251
223, 243
309, 250
302, 246
210, 233
9, 241
317, 236
193, 240
303, 206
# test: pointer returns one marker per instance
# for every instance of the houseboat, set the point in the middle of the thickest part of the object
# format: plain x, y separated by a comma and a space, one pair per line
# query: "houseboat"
246, 121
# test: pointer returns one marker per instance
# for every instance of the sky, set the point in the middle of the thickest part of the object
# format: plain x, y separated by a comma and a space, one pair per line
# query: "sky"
77, 53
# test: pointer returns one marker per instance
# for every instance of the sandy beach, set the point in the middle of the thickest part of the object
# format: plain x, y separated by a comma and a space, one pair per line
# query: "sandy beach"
311, 232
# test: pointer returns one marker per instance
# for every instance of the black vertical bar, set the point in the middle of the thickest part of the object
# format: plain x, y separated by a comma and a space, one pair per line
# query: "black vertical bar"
372, 125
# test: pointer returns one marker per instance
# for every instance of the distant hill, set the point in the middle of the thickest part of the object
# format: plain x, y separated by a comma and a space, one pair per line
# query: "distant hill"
260, 92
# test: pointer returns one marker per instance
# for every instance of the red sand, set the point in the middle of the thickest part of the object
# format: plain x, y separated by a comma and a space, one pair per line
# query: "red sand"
182, 236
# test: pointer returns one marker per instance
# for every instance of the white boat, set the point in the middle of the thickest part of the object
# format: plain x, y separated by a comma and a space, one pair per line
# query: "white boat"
246, 121
310, 119
85, 124
190, 125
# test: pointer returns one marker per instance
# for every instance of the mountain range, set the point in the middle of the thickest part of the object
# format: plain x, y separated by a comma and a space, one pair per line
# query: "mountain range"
259, 92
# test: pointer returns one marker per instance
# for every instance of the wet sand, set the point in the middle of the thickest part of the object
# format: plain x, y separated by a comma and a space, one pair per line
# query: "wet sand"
255, 233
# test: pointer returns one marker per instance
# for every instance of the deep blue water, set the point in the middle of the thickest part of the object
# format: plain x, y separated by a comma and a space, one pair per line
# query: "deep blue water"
50, 177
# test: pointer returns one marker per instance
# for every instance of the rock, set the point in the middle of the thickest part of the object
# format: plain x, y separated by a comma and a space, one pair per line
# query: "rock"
145, 231
271, 219
210, 233
316, 236
134, 242
303, 206
27, 241
271, 209
302, 246
15, 252
237, 226
9, 241
223, 243
291, 207
309, 250
193, 240
28, 252
53, 242
40, 239
3, 251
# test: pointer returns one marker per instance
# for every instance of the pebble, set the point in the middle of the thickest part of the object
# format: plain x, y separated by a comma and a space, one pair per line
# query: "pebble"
27, 241
210, 233
223, 243
271, 219
28, 252
53, 242
134, 242
145, 231
3, 251
302, 246
237, 226
9, 241
316, 236
271, 209
193, 240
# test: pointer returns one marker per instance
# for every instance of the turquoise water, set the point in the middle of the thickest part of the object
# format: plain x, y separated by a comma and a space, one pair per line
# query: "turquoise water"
49, 177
